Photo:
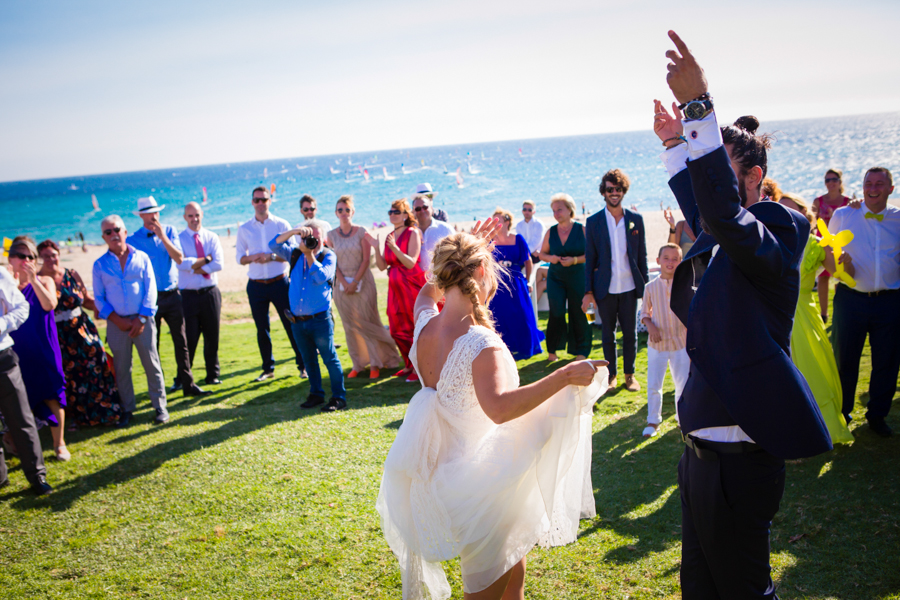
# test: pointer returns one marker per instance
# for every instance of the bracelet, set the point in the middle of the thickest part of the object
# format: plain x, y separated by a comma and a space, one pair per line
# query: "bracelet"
680, 138
700, 98
671, 230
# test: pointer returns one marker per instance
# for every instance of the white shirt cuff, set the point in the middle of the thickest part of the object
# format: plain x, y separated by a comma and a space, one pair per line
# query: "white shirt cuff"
702, 136
675, 159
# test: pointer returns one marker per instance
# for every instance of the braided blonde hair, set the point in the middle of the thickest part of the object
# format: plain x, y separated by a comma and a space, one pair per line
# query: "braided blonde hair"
455, 262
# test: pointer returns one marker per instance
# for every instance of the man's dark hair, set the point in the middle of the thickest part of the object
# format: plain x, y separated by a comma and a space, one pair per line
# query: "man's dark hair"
260, 188
615, 177
880, 170
747, 149
308, 198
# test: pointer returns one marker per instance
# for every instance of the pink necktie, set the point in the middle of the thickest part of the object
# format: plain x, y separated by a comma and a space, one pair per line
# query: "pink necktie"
200, 252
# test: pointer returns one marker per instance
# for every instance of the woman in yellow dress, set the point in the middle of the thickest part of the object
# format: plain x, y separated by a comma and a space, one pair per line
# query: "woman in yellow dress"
810, 348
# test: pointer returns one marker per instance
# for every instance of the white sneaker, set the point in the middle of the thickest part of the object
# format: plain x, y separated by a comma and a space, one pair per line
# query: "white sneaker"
650, 431
63, 454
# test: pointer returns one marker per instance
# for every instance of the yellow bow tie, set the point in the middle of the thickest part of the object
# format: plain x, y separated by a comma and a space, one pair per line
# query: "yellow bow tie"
878, 218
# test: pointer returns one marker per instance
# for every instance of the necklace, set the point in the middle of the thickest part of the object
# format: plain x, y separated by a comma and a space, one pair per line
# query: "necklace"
346, 235
399, 228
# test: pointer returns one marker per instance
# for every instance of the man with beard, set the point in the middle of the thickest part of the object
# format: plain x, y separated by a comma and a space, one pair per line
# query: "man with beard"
745, 407
616, 269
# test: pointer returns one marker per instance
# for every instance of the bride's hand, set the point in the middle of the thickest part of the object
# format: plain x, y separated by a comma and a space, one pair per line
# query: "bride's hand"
582, 373
487, 229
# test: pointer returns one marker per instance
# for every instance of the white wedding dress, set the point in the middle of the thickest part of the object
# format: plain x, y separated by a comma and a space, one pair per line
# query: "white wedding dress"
457, 484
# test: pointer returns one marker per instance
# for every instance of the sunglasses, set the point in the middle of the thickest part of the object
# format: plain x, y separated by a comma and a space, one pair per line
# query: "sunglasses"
527, 209
420, 208
394, 211
260, 200
308, 209
112, 231
613, 188
23, 256
342, 210
831, 179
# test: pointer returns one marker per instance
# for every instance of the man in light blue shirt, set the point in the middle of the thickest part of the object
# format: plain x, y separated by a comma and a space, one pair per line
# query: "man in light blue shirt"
125, 295
312, 277
161, 243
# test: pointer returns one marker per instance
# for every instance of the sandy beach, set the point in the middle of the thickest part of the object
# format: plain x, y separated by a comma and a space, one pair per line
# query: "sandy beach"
233, 278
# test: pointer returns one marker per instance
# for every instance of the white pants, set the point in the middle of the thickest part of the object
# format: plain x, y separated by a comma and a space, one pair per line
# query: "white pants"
680, 365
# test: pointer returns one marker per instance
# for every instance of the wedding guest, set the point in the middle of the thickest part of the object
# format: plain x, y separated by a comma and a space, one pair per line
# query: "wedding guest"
14, 309
745, 407
667, 338
92, 397
679, 233
479, 469
368, 343
268, 282
162, 245
424, 189
563, 247
433, 231
125, 296
531, 229
37, 343
511, 306
810, 349
823, 207
308, 209
872, 308
198, 284
771, 189
617, 263
312, 277
405, 277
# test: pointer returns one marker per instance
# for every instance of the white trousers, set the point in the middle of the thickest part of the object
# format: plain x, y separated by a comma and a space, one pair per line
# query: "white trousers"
680, 364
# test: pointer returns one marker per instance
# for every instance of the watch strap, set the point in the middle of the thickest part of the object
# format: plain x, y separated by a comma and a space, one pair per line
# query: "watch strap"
699, 98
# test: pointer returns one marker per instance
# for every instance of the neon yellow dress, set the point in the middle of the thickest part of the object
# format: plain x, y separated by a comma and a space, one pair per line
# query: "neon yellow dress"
811, 350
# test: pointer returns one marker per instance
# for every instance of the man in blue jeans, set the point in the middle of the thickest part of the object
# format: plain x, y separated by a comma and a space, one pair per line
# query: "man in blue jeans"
312, 275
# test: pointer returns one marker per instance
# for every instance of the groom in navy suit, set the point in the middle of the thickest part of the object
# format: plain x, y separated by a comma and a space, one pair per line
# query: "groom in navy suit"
616, 269
745, 408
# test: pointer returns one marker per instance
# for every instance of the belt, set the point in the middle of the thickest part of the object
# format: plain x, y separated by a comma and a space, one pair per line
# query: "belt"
875, 293
294, 318
67, 315
268, 281
708, 450
166, 294
200, 291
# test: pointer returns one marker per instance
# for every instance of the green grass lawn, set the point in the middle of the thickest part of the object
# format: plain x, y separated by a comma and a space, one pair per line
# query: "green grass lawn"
246, 495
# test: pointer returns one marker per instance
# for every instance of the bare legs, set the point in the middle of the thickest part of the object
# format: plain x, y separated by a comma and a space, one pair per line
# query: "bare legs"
510, 586
59, 443
823, 297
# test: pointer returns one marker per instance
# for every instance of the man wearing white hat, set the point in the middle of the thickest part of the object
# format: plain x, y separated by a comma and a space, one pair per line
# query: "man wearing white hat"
160, 242
424, 189
433, 230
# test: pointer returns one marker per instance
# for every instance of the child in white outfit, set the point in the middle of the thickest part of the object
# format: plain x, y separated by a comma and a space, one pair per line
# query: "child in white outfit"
668, 338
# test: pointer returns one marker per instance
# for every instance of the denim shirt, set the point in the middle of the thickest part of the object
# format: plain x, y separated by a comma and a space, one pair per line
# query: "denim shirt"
131, 291
164, 268
310, 289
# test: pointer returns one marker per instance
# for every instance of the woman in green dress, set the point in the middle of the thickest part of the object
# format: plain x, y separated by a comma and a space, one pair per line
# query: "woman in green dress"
810, 348
563, 247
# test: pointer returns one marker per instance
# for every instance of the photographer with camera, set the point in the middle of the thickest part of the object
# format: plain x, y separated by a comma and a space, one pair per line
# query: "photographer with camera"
312, 276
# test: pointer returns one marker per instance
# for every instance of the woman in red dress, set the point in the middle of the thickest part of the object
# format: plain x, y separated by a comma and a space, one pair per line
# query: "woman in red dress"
823, 207
405, 277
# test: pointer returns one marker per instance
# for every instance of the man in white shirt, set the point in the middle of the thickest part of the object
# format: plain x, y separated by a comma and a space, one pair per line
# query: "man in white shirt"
433, 231
268, 278
531, 229
200, 293
13, 398
872, 307
616, 271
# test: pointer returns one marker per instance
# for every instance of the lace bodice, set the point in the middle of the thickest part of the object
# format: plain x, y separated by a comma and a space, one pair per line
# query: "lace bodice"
455, 388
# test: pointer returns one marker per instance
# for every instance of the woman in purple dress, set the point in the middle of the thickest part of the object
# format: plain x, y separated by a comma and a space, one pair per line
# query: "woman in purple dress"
37, 343
511, 306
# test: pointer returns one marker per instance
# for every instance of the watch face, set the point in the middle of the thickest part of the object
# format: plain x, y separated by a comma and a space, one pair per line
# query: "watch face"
694, 111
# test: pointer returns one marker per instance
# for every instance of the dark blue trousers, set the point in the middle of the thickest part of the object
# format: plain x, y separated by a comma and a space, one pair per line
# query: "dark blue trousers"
261, 295
855, 316
317, 334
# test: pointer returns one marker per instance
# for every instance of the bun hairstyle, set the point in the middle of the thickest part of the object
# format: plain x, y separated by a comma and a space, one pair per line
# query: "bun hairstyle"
747, 148
456, 262
403, 206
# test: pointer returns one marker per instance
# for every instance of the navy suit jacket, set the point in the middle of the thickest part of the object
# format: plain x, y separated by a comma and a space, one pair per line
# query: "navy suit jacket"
739, 308
598, 254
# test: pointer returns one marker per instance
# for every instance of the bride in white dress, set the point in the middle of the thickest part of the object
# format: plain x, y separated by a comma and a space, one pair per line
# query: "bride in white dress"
481, 468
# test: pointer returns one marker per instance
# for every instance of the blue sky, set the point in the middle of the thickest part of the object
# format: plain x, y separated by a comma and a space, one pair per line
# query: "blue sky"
95, 87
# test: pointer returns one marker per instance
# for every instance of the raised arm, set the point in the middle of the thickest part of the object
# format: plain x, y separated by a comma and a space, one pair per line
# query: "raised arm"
373, 244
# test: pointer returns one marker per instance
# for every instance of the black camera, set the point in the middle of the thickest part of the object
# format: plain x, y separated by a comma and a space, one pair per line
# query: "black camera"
310, 241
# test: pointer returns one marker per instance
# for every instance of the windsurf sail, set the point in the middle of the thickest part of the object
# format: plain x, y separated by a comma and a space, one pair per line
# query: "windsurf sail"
205, 198
94, 202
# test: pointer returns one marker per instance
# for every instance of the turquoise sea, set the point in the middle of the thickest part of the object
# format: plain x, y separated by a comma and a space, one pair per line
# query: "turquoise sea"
492, 174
